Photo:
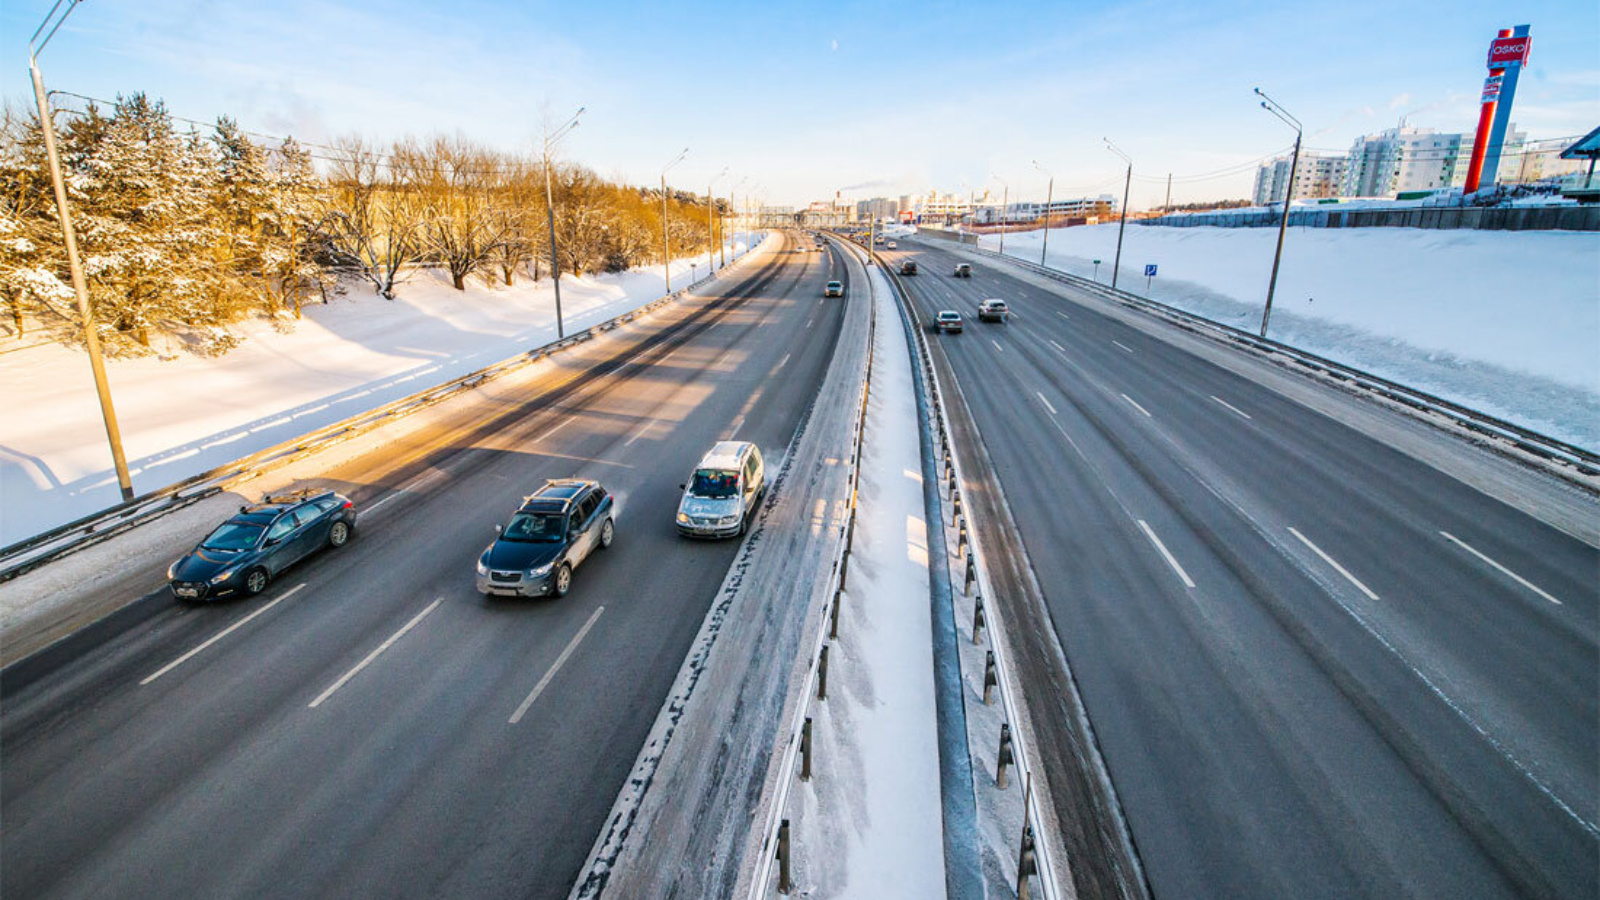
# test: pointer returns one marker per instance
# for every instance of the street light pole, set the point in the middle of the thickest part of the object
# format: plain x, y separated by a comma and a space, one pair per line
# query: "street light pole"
1271, 106
1127, 182
666, 242
1005, 205
711, 232
69, 237
550, 140
1049, 197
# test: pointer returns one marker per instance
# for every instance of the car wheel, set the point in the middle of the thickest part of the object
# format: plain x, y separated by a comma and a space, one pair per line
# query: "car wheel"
563, 580
608, 533
255, 581
339, 534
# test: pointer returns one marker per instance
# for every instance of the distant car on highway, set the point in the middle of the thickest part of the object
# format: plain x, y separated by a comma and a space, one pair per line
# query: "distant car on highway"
722, 494
948, 320
908, 267
878, 239
892, 245
963, 270
555, 529
833, 289
245, 553
993, 311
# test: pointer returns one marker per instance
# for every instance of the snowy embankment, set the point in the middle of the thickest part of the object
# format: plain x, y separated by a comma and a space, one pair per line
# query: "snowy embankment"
183, 414
868, 821
1504, 322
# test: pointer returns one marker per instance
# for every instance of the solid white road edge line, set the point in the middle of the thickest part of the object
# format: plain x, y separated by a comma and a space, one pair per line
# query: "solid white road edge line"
556, 666
1230, 406
220, 635
1137, 406
374, 654
1167, 555
1123, 346
1507, 572
1335, 563
1045, 402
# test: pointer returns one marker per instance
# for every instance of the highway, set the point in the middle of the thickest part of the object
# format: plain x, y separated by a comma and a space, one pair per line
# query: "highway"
1315, 665
373, 727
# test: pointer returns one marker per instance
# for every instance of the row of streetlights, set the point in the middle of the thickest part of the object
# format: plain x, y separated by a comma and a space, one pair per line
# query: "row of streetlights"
712, 249
1268, 104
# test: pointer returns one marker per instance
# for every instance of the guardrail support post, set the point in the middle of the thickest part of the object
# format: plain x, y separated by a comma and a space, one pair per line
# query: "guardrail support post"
1006, 758
785, 883
961, 538
972, 574
991, 678
1027, 864
805, 750
822, 674
833, 616
977, 619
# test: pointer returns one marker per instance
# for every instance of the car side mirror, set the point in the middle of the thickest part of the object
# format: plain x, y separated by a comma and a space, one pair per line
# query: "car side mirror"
498, 529
270, 542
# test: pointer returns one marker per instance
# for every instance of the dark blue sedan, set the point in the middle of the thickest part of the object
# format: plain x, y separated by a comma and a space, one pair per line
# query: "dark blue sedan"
246, 552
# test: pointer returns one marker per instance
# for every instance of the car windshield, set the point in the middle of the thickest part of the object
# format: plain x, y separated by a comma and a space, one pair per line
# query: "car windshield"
533, 528
714, 484
233, 536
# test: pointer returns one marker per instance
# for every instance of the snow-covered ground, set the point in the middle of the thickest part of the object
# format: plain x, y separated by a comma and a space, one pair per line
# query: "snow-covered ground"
1505, 322
183, 414
868, 823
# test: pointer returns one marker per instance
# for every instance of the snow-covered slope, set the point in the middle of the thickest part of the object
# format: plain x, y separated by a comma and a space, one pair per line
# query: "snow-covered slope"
1504, 322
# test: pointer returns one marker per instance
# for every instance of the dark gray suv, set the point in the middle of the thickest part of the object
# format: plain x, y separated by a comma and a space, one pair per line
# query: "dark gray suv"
554, 530
245, 553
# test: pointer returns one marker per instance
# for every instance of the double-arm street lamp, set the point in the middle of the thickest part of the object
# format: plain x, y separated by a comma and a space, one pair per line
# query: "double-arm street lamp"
80, 288
1271, 106
550, 140
1049, 197
666, 242
1116, 265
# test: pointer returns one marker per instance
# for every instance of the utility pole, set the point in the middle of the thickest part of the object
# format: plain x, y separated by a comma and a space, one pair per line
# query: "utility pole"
550, 140
1167, 206
69, 237
1271, 106
1049, 197
711, 211
1005, 205
666, 242
1127, 182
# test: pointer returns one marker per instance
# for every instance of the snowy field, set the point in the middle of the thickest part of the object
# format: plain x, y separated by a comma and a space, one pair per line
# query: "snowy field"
1504, 322
183, 414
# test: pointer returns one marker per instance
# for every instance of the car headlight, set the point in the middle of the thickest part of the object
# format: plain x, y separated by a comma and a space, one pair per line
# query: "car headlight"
538, 571
222, 576
172, 570
483, 568
730, 520
683, 518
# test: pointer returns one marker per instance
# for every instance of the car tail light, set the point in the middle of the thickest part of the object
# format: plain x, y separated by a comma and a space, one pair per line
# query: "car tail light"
348, 504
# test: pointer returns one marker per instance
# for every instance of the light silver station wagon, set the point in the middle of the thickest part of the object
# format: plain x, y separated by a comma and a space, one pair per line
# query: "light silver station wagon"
722, 495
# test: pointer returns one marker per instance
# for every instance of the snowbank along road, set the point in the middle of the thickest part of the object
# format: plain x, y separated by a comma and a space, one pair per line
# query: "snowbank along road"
371, 726
1317, 666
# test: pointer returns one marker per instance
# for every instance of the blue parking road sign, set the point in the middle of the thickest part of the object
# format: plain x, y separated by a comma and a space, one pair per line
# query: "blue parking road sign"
1150, 271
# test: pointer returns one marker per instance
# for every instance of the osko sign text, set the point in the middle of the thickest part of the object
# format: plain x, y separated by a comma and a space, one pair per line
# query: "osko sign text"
1511, 51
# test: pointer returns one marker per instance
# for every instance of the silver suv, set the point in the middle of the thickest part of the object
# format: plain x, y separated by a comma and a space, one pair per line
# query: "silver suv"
722, 495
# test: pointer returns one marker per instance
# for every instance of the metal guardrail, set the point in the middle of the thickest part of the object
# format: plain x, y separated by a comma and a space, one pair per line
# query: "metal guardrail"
1565, 456
48, 546
1045, 870
771, 844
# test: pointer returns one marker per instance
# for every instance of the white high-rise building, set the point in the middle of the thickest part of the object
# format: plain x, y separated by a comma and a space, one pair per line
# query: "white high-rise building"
1406, 159
1318, 175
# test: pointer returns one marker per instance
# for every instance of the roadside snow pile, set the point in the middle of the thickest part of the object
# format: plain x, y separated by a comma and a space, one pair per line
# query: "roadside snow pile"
1505, 322
186, 414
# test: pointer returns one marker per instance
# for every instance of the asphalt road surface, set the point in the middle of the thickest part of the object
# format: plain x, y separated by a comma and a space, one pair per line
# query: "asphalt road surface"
1316, 666
350, 732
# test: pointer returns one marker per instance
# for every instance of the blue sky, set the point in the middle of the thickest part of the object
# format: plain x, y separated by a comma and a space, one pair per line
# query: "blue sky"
808, 98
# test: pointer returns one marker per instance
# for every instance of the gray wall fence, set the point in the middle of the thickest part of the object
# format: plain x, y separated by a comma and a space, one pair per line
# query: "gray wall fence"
1501, 218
